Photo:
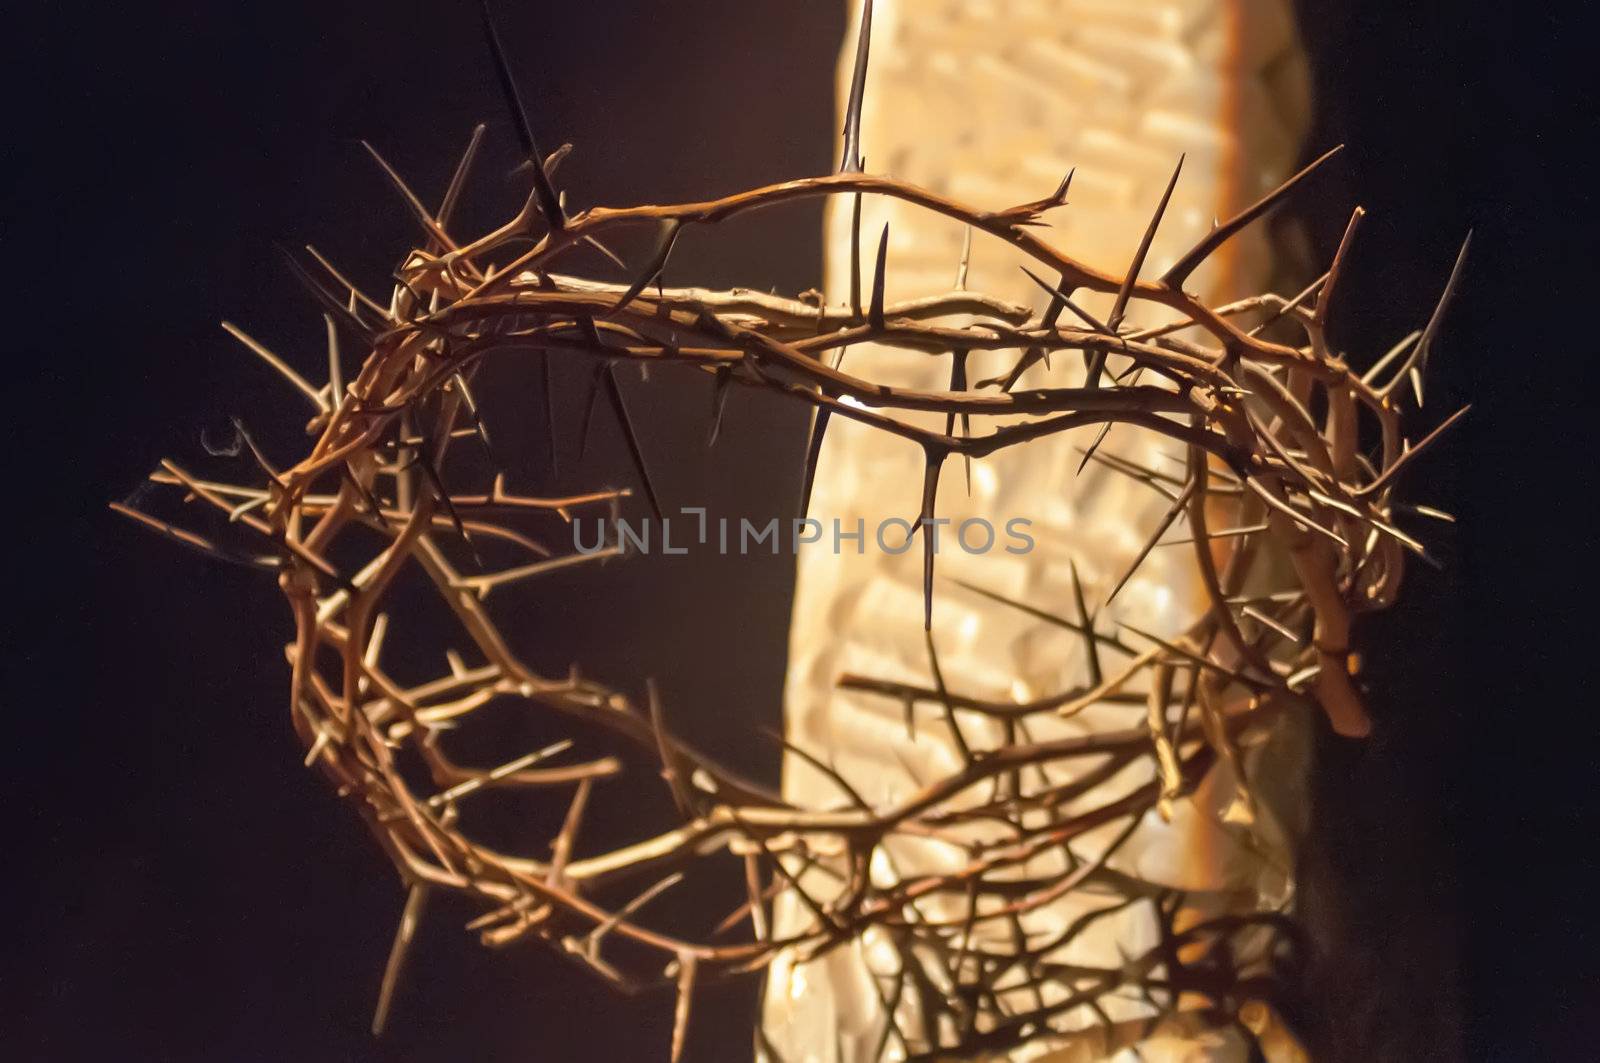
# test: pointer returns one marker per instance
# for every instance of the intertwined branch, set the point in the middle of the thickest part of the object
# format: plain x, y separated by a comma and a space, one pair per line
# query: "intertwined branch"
1296, 453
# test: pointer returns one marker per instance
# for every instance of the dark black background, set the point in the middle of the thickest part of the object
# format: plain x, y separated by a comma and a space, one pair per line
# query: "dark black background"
187, 891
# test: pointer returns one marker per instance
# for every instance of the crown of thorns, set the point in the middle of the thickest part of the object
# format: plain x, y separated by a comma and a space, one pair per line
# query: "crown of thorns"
1304, 451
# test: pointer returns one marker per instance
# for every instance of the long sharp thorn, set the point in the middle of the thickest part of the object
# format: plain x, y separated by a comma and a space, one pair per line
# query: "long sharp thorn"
425, 460
1132, 277
1411, 454
1283, 308
1220, 234
1336, 270
416, 901
944, 696
1172, 513
1060, 198
669, 759
1040, 614
1091, 642
610, 255
549, 203
1293, 514
966, 260
620, 408
879, 279
472, 411
819, 425
1088, 454
930, 494
333, 305
198, 543
831, 772
1097, 361
851, 162
855, 255
1419, 357
458, 180
1061, 294
958, 383
426, 220
356, 293
658, 262
300, 383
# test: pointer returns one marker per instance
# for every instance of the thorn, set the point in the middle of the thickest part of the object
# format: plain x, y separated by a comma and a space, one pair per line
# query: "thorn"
416, 901
852, 161
1065, 297
195, 542
1305, 293
458, 180
930, 491
831, 772
1336, 270
1088, 454
431, 474
344, 282
669, 759
1394, 352
1221, 233
1299, 518
1418, 360
855, 256
1049, 618
333, 305
1161, 529
944, 696
658, 262
1086, 619
425, 219
819, 425
614, 258
1060, 198
620, 408
471, 404
300, 382
958, 382
879, 280
549, 205
1411, 454
1132, 276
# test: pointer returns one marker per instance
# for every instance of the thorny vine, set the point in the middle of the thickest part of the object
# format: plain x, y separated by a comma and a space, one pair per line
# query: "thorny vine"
1273, 432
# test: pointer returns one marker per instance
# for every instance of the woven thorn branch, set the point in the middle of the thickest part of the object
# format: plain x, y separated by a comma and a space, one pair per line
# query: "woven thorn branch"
1274, 435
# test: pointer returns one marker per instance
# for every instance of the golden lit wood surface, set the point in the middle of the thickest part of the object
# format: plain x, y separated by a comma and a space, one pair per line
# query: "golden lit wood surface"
992, 101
